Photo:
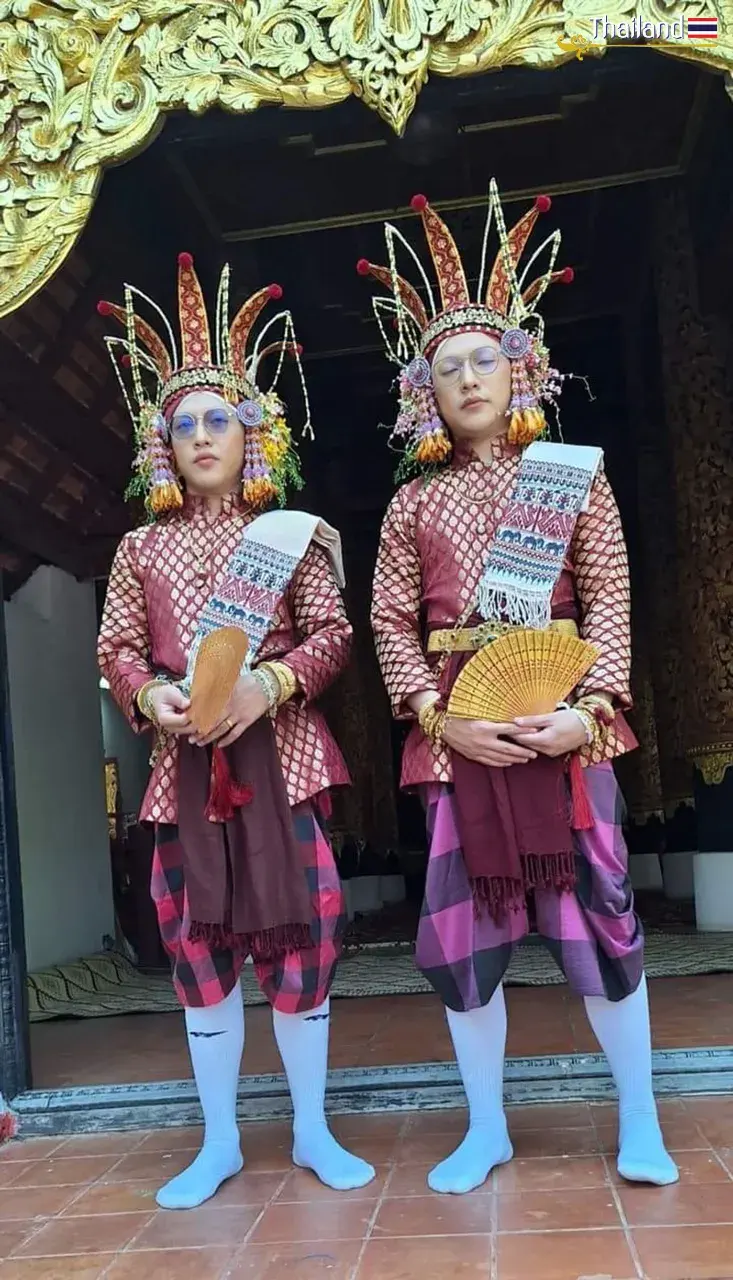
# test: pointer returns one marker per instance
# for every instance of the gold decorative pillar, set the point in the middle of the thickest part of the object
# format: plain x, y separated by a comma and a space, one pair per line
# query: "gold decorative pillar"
699, 418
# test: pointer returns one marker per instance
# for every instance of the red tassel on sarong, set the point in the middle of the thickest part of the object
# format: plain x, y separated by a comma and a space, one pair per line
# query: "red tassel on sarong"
225, 795
582, 816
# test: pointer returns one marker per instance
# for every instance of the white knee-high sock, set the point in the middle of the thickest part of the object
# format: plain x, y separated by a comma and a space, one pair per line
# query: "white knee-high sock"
302, 1039
624, 1033
479, 1040
216, 1042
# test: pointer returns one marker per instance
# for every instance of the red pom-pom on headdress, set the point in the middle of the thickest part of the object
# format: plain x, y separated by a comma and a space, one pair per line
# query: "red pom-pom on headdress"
418, 203
567, 275
543, 204
275, 292
104, 308
362, 267
185, 260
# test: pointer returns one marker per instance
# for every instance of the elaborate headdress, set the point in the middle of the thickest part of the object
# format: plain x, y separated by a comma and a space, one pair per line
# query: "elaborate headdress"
506, 306
154, 380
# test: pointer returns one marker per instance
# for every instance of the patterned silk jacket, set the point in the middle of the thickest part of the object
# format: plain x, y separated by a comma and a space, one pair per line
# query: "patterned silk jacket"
161, 579
435, 539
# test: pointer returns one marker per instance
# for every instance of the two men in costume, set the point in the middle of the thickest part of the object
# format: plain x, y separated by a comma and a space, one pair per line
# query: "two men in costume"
242, 866
505, 531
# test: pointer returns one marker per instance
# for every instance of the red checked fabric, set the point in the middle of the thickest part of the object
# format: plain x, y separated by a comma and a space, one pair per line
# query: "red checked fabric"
154, 598
433, 546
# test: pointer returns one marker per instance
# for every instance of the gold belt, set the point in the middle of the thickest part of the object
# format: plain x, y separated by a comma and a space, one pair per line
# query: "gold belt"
471, 639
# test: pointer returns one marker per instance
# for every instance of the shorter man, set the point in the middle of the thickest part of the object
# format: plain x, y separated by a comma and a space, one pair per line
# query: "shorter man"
242, 863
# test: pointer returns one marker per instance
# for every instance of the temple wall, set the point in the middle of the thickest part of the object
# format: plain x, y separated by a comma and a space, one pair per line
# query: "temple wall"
59, 768
130, 750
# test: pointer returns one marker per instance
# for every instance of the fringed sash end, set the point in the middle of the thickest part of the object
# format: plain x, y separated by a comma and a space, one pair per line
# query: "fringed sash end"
499, 894
266, 944
556, 871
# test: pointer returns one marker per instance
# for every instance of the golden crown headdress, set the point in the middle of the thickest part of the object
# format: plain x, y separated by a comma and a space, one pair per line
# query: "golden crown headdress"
155, 378
506, 305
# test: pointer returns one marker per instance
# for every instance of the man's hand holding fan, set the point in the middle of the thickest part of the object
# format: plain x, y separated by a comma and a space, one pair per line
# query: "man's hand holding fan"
224, 703
512, 688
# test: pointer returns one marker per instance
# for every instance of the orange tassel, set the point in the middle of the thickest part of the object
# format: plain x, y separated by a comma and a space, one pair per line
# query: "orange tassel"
259, 491
165, 497
582, 816
434, 447
526, 425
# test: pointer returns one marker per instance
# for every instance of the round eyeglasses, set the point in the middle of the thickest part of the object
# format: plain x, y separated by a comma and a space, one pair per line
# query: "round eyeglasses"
484, 361
215, 422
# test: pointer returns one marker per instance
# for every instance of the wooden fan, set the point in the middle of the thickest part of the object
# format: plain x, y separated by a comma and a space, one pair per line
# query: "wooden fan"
218, 666
524, 673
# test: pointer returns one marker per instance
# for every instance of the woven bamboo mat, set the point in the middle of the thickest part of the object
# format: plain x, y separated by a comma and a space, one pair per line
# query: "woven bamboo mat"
108, 984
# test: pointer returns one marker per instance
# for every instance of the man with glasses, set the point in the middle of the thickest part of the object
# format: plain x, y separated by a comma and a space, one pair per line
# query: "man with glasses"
242, 864
503, 530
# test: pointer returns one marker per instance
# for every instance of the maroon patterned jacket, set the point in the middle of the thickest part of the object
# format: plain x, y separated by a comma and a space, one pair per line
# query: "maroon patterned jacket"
435, 539
161, 579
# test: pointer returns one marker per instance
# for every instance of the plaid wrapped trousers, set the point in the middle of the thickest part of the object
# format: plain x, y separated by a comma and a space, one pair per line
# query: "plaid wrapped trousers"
593, 933
205, 975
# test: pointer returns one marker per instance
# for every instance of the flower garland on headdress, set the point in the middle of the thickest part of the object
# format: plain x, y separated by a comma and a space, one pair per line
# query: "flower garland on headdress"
159, 380
508, 312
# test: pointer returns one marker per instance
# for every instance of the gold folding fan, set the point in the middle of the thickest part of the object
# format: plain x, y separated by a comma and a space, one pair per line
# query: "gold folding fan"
523, 673
218, 666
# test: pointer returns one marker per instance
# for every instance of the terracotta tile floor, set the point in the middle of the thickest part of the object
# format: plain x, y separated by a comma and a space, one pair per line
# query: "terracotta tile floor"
83, 1209
374, 1031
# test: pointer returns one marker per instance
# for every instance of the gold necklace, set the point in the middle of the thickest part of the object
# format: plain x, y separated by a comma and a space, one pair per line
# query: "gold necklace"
200, 561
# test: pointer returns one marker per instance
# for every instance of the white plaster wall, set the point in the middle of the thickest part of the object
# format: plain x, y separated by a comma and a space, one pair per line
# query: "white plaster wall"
130, 750
59, 768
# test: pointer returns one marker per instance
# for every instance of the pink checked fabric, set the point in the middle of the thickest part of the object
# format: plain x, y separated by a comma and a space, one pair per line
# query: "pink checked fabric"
593, 933
433, 546
160, 581
204, 976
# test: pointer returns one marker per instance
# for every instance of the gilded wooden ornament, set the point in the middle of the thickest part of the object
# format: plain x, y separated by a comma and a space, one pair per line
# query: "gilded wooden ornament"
658, 623
88, 82
700, 423
713, 762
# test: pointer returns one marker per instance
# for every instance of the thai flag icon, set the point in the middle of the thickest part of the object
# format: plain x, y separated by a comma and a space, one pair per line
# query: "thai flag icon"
702, 28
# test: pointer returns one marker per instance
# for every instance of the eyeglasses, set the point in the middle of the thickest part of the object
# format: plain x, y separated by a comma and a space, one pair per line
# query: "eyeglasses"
484, 361
215, 422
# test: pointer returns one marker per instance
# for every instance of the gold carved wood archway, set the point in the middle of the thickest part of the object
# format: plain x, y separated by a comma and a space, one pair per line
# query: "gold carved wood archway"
88, 83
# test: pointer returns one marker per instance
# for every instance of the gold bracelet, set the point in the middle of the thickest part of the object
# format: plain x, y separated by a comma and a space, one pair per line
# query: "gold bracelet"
601, 708
597, 726
143, 702
432, 721
602, 713
285, 678
589, 723
427, 712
